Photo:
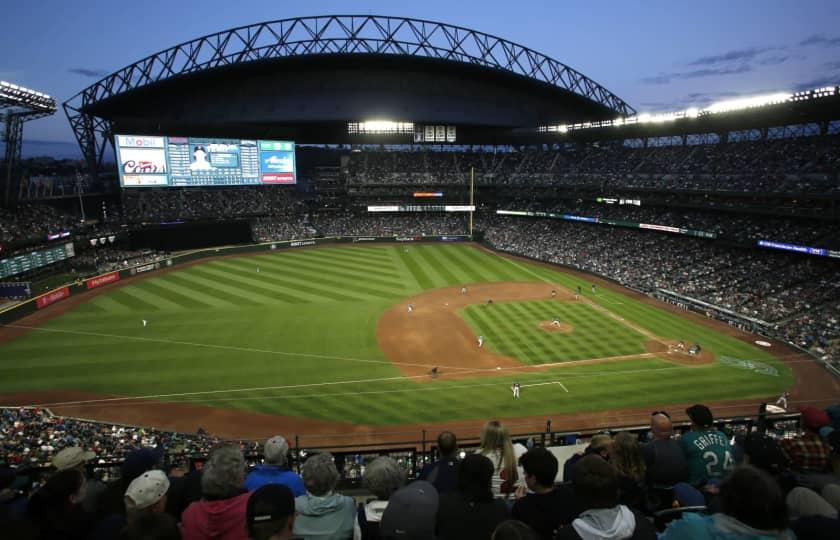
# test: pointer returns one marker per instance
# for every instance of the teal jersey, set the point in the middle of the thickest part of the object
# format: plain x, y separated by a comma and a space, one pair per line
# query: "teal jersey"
708, 455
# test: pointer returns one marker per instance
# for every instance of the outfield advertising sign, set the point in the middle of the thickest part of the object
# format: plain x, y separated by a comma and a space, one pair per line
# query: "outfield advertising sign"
52, 297
105, 279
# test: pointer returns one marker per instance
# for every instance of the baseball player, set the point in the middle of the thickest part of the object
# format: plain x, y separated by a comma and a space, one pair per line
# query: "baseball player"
556, 321
258, 269
515, 388
463, 290
434, 372
145, 322
480, 341
783, 400
553, 293
410, 308
593, 288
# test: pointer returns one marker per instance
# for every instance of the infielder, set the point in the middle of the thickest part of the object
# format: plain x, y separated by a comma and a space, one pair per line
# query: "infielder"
410, 308
480, 341
515, 388
463, 290
783, 400
553, 293
593, 288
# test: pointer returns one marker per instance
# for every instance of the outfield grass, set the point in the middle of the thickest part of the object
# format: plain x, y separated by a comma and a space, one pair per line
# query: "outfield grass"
305, 322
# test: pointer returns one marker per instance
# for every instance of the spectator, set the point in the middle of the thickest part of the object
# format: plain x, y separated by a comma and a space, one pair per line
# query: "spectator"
322, 513
665, 463
152, 526
809, 453
270, 513
497, 446
471, 511
112, 502
547, 506
752, 506
443, 473
146, 494
512, 529
626, 457
74, 457
56, 508
596, 488
275, 470
220, 515
599, 445
707, 451
411, 513
383, 476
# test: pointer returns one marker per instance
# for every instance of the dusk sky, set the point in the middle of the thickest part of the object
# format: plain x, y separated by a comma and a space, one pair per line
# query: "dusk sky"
657, 55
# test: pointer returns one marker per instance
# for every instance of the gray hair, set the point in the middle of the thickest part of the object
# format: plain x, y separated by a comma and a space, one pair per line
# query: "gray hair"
319, 474
383, 476
224, 473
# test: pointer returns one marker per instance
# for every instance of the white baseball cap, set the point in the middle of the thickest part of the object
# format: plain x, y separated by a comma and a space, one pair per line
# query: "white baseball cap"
146, 490
70, 457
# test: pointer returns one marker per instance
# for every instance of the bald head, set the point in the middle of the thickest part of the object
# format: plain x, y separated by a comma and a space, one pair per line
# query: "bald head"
661, 426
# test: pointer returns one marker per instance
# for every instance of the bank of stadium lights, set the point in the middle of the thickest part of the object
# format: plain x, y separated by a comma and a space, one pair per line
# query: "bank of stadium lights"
379, 127
693, 112
12, 94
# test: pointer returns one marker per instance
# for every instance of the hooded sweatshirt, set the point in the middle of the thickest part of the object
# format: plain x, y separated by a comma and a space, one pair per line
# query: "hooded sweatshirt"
265, 474
216, 520
616, 523
330, 517
718, 527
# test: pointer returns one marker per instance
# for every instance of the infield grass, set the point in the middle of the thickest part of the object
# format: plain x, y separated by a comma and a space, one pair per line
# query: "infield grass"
292, 333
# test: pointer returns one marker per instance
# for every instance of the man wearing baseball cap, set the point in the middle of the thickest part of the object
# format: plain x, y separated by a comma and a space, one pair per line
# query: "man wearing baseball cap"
275, 470
75, 457
270, 513
809, 453
707, 450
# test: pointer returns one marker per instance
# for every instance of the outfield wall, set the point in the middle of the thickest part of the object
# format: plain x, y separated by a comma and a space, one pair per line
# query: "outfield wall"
58, 294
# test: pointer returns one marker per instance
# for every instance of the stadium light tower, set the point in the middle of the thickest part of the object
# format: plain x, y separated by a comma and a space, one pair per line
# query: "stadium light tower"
18, 105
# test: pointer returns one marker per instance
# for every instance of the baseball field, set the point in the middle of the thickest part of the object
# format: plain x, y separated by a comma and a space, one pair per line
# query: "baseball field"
325, 336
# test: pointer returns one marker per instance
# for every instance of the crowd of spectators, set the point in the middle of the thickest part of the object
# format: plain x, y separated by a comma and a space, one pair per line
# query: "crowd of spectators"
108, 259
698, 483
33, 221
408, 224
796, 295
791, 165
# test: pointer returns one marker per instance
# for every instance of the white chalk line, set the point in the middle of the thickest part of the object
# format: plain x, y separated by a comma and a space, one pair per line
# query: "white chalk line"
563, 386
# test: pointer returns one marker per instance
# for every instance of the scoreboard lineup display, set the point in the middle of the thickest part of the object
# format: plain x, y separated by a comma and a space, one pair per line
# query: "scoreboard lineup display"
153, 161
35, 259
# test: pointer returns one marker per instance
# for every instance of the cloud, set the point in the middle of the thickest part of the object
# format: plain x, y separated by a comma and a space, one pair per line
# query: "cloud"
92, 73
729, 56
828, 80
774, 60
832, 65
821, 40
666, 78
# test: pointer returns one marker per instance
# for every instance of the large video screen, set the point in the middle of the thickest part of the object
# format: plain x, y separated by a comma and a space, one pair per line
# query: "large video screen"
35, 259
152, 161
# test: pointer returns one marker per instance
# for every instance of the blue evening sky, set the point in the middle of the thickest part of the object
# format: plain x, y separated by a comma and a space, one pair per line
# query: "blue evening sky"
657, 55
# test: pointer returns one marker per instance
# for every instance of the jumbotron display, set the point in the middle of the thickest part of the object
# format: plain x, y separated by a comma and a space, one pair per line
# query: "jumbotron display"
155, 161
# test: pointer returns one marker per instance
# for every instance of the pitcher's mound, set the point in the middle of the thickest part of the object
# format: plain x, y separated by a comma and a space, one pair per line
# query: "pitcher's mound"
549, 326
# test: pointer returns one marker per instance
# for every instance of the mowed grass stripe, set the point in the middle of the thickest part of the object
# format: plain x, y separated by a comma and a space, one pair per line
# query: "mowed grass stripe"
358, 257
331, 261
357, 250
178, 287
491, 266
239, 279
131, 301
208, 284
520, 339
456, 257
429, 254
183, 301
501, 320
428, 267
301, 285
316, 271
418, 273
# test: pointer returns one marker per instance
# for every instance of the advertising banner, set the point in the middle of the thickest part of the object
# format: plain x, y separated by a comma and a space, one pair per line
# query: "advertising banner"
52, 297
105, 279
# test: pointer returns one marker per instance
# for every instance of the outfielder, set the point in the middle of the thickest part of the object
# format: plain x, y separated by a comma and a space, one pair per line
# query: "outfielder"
145, 322
515, 388
480, 341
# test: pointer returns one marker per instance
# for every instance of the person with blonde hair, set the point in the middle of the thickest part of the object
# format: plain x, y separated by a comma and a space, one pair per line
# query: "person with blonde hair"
497, 446
626, 456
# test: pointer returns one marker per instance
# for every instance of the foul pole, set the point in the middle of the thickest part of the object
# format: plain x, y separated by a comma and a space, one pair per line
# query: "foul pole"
472, 199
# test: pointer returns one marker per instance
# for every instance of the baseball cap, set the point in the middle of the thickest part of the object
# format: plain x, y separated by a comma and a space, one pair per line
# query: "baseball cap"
272, 502
700, 415
411, 512
70, 457
813, 417
140, 461
275, 447
146, 490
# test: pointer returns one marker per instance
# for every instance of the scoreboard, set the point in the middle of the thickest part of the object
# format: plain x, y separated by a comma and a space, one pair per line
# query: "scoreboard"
35, 259
155, 161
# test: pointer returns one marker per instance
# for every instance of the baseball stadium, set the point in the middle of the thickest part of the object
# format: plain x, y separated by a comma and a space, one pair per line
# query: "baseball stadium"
432, 228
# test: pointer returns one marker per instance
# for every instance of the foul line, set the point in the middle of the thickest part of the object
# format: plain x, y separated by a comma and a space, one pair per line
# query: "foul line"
545, 383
